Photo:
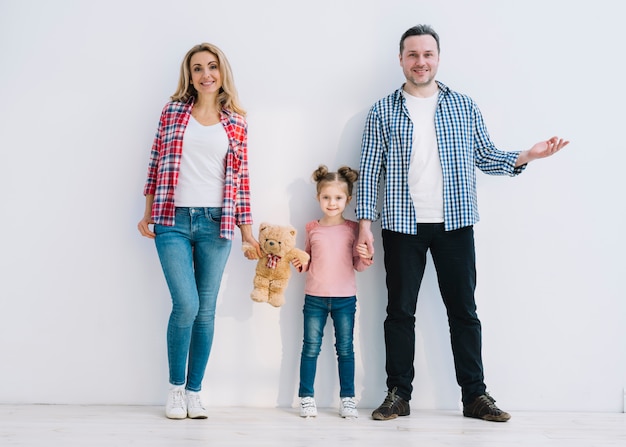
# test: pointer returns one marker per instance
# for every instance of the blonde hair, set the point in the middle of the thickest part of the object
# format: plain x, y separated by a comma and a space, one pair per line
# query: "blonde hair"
344, 174
227, 97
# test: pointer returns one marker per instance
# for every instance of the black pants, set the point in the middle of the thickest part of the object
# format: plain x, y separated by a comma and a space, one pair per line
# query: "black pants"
455, 262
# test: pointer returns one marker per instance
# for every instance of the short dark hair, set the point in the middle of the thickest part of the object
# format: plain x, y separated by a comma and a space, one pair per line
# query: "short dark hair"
419, 30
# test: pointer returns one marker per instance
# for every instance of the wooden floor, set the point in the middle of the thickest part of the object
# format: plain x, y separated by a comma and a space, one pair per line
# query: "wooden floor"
139, 426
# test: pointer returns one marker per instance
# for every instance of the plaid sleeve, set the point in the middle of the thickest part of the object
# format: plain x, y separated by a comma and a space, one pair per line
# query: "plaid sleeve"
490, 159
370, 167
243, 212
151, 178
236, 209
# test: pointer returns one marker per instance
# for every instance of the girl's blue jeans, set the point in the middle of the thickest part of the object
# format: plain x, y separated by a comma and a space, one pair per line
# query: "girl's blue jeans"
316, 311
193, 258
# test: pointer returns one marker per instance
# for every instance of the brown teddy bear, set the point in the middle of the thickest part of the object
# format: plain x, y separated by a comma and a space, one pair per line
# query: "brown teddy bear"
278, 244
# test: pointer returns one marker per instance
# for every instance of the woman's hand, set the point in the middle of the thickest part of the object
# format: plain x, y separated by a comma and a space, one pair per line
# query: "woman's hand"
144, 224
144, 227
251, 247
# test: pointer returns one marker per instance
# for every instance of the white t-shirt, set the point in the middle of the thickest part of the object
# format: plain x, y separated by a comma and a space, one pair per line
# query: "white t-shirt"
201, 175
425, 176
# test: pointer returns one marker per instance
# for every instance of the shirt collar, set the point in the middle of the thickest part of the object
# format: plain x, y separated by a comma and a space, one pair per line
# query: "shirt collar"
442, 87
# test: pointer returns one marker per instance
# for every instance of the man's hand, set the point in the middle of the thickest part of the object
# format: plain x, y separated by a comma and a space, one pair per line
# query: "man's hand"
542, 149
366, 237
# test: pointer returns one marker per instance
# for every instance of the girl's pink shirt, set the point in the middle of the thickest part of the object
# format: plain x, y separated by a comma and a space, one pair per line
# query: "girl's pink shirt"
334, 259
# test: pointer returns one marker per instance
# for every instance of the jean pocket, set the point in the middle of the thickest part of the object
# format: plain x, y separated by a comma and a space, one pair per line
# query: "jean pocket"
158, 229
214, 214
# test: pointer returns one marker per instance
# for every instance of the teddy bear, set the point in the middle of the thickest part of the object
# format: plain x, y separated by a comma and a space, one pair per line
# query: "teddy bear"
278, 244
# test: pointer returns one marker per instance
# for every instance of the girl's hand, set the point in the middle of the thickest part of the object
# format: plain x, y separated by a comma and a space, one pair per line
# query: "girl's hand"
297, 264
365, 254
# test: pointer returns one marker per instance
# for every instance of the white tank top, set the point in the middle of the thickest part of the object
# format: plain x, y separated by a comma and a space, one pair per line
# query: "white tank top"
202, 166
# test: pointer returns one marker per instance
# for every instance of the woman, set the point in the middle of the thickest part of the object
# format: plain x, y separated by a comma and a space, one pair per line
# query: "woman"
197, 190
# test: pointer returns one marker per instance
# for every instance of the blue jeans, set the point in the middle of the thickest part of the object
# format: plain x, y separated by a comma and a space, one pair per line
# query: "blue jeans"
316, 310
193, 258
454, 258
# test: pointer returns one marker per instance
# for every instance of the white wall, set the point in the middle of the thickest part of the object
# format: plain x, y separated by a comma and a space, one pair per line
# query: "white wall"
84, 304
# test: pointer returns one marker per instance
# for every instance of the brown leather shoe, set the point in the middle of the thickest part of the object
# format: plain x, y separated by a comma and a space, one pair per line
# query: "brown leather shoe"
392, 407
484, 407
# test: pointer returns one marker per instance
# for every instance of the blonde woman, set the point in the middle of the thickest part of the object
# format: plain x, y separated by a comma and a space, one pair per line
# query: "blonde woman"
197, 190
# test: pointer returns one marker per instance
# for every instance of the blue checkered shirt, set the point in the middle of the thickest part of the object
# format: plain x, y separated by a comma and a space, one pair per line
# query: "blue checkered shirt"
463, 144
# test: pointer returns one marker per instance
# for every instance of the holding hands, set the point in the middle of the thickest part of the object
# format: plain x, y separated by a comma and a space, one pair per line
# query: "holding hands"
367, 257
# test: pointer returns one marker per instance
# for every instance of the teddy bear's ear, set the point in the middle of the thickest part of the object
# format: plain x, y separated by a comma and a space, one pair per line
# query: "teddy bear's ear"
263, 226
293, 232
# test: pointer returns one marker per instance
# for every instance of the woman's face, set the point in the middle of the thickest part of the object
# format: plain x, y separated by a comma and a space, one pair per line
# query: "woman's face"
205, 73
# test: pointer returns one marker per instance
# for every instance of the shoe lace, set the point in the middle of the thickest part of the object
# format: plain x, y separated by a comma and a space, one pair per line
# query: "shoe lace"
307, 402
348, 403
177, 399
490, 402
391, 398
193, 401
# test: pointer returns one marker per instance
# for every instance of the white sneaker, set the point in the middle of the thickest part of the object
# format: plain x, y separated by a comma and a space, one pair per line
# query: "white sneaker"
195, 409
308, 407
176, 407
347, 408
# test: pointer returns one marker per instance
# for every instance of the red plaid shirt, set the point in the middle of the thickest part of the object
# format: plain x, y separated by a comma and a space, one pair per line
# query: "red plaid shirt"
165, 164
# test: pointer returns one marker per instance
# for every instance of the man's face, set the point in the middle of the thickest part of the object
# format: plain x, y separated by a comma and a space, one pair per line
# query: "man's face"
419, 60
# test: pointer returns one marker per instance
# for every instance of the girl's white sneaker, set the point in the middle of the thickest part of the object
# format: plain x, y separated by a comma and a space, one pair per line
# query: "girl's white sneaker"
347, 408
307, 407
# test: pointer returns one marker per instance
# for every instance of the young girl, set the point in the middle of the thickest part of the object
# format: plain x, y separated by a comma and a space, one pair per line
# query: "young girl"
331, 286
